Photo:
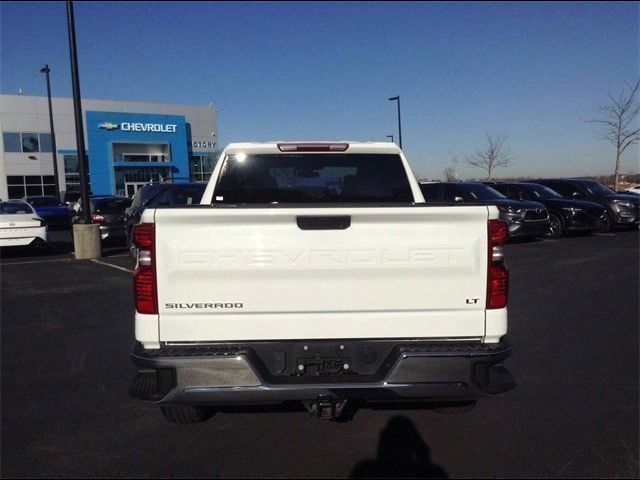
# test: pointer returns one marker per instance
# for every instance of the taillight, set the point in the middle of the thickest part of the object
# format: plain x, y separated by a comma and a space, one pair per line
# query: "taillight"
97, 218
313, 147
144, 278
497, 274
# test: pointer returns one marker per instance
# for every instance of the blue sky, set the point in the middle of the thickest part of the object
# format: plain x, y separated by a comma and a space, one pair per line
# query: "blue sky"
292, 71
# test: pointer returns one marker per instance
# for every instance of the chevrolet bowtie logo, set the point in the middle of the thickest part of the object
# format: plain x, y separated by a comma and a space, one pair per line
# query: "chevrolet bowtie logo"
108, 126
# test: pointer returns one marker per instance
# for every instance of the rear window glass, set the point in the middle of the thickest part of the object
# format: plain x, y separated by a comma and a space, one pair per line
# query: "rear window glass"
595, 188
15, 208
111, 206
44, 202
179, 195
478, 191
312, 178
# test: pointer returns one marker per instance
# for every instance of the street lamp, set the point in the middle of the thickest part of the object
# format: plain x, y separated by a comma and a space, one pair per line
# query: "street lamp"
397, 97
46, 71
391, 137
77, 109
86, 236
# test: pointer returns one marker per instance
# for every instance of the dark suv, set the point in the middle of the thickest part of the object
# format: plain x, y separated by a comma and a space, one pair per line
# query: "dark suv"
524, 218
565, 214
622, 210
108, 212
154, 195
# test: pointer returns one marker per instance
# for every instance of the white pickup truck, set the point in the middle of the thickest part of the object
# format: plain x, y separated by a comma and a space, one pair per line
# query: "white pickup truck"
315, 274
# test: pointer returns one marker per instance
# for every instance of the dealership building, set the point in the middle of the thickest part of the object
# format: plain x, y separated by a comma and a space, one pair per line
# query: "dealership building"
128, 145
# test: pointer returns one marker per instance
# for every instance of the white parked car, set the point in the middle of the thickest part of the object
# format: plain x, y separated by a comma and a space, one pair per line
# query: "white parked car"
20, 225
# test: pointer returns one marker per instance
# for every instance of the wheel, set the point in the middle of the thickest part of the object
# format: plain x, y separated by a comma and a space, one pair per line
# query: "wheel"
556, 226
185, 414
39, 246
606, 224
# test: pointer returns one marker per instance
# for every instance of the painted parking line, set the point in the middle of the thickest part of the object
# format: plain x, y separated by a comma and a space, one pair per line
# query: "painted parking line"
37, 261
112, 266
54, 260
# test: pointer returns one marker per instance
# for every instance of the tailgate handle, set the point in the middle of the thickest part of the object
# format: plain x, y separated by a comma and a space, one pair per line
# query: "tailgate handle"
324, 223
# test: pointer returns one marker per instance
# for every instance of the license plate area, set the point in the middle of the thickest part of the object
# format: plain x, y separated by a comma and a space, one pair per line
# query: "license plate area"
319, 359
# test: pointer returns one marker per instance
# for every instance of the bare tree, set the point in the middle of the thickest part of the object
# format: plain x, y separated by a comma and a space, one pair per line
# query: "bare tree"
617, 122
494, 154
450, 174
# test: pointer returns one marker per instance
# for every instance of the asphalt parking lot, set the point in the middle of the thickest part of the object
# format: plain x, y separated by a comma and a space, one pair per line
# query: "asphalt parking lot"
67, 330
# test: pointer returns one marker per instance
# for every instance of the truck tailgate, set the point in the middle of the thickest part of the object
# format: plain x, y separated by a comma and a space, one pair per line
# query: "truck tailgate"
252, 273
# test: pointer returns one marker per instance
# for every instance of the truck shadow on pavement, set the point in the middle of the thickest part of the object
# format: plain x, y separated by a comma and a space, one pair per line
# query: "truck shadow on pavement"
402, 453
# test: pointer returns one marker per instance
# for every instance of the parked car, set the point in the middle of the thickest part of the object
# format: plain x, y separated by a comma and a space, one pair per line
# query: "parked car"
635, 189
622, 210
565, 214
158, 194
108, 212
51, 210
21, 226
524, 218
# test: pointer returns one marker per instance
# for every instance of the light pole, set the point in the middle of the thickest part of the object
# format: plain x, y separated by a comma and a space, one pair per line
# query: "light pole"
54, 151
397, 97
391, 137
86, 236
77, 109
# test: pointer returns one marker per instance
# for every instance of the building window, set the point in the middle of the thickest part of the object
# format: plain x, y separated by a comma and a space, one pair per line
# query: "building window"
137, 157
201, 167
129, 179
72, 177
12, 142
45, 142
30, 143
27, 142
20, 186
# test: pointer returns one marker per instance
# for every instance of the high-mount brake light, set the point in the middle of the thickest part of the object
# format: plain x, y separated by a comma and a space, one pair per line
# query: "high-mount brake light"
313, 147
144, 279
497, 273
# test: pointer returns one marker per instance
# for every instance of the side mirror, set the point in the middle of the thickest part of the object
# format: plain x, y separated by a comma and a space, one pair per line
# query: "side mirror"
458, 199
576, 195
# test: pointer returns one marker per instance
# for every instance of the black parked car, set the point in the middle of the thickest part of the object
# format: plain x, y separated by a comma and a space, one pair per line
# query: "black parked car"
154, 195
108, 212
524, 218
565, 214
622, 210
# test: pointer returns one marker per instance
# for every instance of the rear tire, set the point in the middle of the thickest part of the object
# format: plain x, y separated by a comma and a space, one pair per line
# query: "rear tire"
556, 226
606, 226
39, 247
186, 414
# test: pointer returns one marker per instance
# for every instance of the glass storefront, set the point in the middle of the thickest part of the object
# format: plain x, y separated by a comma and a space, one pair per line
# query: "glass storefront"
129, 179
201, 167
72, 177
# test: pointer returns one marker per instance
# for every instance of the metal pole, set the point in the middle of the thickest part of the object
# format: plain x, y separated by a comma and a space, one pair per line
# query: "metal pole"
397, 98
54, 150
399, 124
77, 109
